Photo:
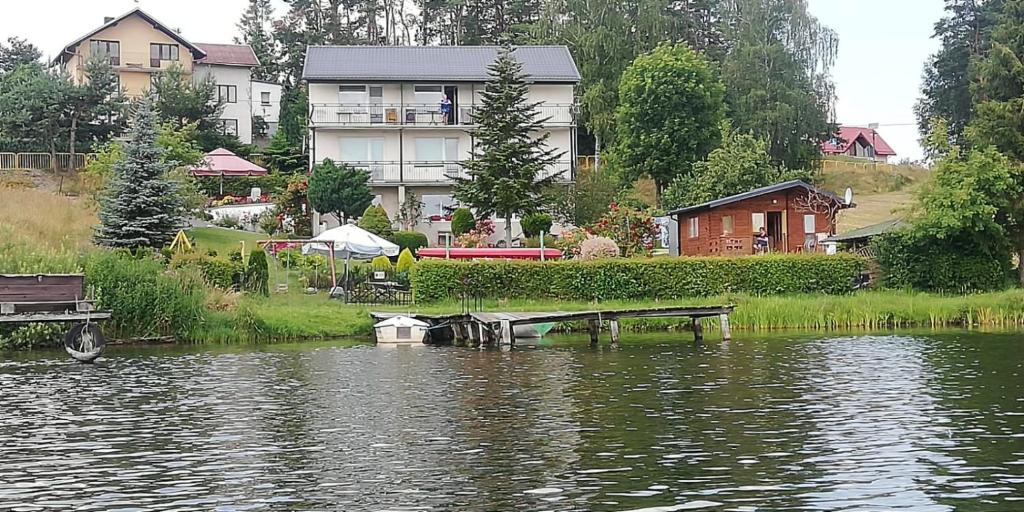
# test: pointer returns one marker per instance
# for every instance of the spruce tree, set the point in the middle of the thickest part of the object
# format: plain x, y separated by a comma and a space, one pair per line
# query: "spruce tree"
142, 207
505, 173
254, 26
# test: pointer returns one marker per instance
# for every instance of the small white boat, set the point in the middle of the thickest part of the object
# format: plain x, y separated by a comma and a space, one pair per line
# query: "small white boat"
400, 329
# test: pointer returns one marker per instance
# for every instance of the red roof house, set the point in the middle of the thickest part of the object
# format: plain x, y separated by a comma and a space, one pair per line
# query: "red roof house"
228, 55
858, 142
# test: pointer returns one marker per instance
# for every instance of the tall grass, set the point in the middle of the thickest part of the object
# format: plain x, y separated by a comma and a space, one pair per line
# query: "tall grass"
42, 232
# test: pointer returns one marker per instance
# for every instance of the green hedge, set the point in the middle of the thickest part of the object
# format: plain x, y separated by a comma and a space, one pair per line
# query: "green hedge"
636, 278
960, 263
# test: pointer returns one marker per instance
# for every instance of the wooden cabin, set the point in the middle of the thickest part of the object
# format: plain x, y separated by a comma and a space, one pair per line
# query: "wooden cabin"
797, 216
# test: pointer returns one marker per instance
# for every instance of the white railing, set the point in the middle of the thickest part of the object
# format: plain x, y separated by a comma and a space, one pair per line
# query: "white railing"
394, 172
42, 161
423, 115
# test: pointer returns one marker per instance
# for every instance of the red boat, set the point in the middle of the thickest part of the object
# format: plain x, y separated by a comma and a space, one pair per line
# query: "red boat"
458, 253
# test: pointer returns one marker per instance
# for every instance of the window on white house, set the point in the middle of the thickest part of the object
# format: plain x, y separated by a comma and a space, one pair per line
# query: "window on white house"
437, 205
694, 227
264, 98
109, 49
362, 149
228, 126
227, 93
757, 221
437, 149
809, 224
352, 94
427, 94
727, 224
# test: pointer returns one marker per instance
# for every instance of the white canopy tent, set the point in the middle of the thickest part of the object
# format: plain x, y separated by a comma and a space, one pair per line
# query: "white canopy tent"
350, 241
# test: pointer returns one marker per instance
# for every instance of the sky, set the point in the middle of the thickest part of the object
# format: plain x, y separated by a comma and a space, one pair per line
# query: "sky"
883, 45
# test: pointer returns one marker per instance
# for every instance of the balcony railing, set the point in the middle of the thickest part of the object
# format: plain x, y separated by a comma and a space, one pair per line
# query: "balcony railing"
434, 172
426, 115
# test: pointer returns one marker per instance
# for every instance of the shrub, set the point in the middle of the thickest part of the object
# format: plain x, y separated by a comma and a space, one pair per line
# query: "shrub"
632, 229
570, 243
375, 220
381, 263
411, 240
223, 274
257, 274
462, 221
550, 242
228, 221
146, 300
534, 224
405, 261
479, 236
598, 247
909, 259
637, 278
268, 223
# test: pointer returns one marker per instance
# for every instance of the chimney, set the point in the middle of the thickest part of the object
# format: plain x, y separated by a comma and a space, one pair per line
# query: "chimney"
107, 19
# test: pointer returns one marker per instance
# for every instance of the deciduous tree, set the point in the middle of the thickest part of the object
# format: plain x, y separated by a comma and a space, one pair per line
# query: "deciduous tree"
670, 104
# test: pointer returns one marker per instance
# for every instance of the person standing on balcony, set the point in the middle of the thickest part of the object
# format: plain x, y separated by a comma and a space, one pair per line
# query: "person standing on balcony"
446, 109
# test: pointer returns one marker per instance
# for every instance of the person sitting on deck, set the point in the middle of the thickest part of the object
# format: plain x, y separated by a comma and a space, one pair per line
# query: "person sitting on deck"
761, 241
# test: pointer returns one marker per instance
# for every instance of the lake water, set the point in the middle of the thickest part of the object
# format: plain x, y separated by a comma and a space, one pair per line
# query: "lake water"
854, 423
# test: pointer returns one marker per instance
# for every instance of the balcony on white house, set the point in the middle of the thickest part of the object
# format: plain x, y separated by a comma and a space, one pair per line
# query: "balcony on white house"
442, 173
374, 115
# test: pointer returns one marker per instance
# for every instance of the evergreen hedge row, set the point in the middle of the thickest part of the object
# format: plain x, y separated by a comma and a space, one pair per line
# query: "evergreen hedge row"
636, 278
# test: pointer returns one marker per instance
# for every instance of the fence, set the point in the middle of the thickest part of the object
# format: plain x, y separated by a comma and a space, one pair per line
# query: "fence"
42, 161
832, 164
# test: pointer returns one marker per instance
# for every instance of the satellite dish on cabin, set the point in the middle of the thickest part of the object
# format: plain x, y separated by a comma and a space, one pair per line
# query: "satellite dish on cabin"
848, 197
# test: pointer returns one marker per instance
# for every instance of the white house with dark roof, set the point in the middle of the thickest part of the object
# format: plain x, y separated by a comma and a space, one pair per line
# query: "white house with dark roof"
231, 65
379, 108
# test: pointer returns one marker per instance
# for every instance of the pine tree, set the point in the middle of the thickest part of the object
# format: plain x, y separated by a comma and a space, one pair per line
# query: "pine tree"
508, 161
254, 25
142, 208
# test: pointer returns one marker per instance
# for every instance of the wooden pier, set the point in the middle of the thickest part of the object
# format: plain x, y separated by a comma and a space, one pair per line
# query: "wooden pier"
493, 328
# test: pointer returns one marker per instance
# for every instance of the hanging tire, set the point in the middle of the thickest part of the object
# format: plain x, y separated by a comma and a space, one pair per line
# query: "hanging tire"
84, 342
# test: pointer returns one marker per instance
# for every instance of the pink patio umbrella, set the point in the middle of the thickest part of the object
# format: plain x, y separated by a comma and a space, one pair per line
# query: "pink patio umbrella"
221, 162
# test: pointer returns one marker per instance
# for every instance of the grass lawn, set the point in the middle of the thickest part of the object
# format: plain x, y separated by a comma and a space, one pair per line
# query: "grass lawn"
223, 240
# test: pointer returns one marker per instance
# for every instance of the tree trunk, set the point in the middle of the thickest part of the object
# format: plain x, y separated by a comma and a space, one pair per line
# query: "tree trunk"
508, 230
71, 136
53, 155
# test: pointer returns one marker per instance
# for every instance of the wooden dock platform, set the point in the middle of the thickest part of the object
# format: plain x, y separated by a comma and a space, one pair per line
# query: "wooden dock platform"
484, 328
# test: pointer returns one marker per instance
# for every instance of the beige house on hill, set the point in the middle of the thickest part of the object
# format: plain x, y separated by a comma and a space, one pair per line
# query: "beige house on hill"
137, 45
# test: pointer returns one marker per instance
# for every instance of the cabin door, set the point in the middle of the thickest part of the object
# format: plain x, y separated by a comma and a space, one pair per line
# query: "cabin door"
776, 236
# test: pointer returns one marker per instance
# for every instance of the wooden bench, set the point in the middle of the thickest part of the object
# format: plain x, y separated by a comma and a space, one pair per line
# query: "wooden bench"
42, 298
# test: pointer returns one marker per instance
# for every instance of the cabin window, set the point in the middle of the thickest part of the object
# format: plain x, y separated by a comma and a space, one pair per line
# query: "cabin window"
264, 98
227, 93
108, 49
727, 224
757, 220
694, 227
403, 333
161, 51
809, 224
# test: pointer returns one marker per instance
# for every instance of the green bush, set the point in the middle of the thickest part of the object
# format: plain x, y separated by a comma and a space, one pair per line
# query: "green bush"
550, 242
381, 263
411, 240
145, 299
462, 221
959, 264
535, 223
636, 278
375, 220
216, 272
257, 274
405, 261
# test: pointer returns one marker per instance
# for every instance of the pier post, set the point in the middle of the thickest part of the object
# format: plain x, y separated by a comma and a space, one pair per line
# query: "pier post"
698, 329
613, 327
508, 338
595, 329
483, 334
723, 321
